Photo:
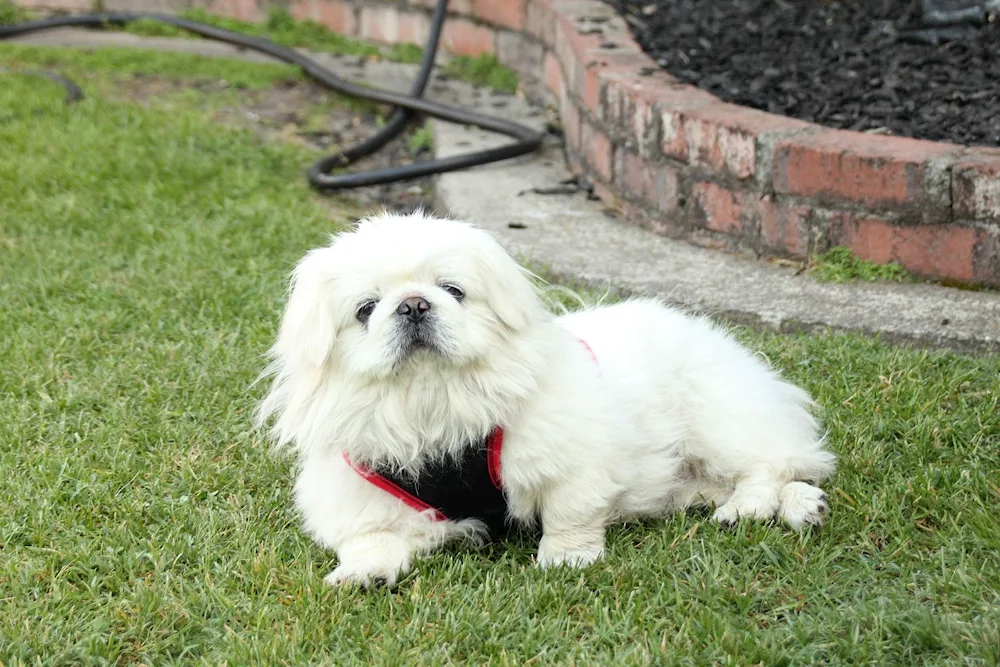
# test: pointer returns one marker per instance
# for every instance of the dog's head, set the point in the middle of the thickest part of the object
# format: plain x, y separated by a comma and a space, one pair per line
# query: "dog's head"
400, 292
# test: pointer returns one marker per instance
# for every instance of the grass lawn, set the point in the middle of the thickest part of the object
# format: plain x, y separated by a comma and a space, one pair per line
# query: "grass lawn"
143, 255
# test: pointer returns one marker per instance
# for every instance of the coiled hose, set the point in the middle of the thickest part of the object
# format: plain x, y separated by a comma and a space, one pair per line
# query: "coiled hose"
407, 106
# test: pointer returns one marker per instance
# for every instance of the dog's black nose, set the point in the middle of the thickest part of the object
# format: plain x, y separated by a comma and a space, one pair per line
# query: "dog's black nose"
414, 308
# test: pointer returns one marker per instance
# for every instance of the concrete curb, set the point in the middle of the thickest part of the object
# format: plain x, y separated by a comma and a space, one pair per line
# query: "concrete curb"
576, 239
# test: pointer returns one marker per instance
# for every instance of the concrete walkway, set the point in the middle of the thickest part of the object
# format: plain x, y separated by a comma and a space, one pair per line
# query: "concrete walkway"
574, 239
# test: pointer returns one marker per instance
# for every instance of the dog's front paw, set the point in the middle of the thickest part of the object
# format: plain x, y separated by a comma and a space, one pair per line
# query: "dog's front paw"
802, 505
553, 553
364, 575
372, 560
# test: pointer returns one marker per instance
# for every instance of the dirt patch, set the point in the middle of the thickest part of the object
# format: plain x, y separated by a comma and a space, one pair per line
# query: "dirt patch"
301, 113
849, 64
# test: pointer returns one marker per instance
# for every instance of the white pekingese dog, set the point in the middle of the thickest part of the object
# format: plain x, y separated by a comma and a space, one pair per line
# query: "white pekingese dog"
429, 394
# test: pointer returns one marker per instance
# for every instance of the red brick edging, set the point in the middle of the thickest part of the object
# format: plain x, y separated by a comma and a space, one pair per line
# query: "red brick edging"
679, 161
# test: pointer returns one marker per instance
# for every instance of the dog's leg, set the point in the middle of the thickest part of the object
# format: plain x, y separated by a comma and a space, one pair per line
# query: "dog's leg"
374, 534
574, 516
372, 559
764, 493
754, 497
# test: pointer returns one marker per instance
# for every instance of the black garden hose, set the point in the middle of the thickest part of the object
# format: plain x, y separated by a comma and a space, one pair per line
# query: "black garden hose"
73, 91
407, 106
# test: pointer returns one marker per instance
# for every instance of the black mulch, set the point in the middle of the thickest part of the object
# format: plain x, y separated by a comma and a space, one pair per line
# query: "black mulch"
852, 64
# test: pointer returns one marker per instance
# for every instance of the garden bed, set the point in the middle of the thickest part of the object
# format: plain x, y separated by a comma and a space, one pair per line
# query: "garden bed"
854, 64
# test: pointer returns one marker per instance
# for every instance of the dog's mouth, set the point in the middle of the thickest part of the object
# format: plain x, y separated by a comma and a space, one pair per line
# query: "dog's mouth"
414, 337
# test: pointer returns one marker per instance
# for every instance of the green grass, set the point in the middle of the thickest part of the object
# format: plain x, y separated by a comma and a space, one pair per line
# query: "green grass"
840, 265
109, 64
405, 53
422, 139
483, 70
11, 13
279, 27
143, 255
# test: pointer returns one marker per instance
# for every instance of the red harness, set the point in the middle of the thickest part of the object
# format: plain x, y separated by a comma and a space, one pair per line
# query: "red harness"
494, 443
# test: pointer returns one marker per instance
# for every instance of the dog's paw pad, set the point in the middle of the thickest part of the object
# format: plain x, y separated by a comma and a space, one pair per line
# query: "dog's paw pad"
803, 505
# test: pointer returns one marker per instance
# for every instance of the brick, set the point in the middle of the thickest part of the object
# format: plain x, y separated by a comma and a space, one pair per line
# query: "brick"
639, 119
654, 183
304, 10
692, 138
596, 148
573, 160
589, 86
869, 238
784, 226
719, 209
247, 10
666, 183
603, 21
503, 13
632, 177
571, 124
944, 251
553, 76
631, 104
244, 10
864, 169
723, 137
606, 195
540, 22
521, 54
64, 5
986, 258
571, 48
976, 185
465, 38
155, 6
337, 16
414, 28
599, 66
391, 26
616, 87
936, 250
454, 6
378, 23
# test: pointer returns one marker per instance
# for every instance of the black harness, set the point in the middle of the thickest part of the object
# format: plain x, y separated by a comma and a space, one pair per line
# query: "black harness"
469, 487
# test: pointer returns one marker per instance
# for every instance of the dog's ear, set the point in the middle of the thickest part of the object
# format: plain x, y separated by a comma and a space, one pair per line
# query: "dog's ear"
308, 326
509, 290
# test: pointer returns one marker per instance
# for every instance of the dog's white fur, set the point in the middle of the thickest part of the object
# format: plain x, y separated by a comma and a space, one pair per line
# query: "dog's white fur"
674, 413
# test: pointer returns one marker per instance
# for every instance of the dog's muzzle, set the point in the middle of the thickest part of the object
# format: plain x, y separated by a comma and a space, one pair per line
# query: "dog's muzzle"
414, 309
415, 326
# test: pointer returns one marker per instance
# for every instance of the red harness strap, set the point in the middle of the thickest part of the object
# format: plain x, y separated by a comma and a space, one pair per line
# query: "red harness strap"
494, 445
392, 488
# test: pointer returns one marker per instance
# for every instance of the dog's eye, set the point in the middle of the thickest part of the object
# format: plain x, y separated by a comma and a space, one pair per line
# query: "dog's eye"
364, 311
453, 290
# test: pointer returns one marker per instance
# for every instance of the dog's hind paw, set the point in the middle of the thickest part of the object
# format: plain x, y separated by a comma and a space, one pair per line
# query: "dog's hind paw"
802, 505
